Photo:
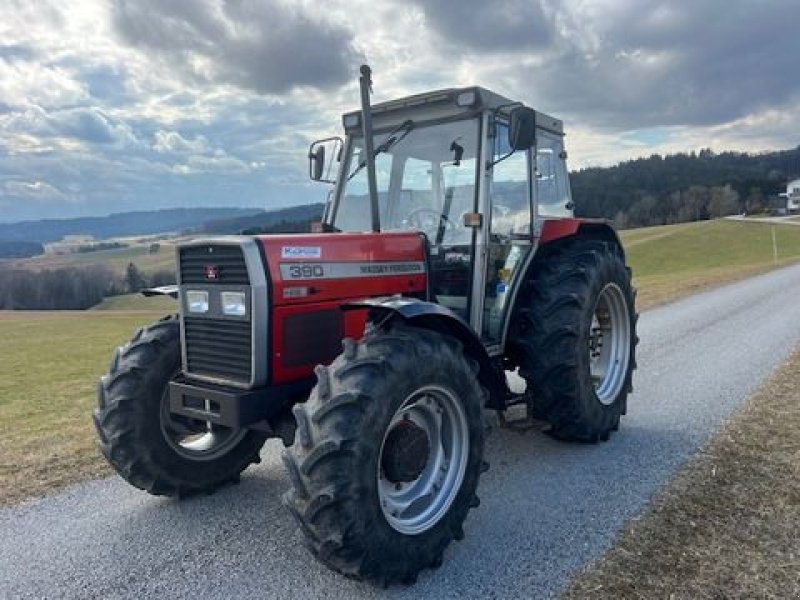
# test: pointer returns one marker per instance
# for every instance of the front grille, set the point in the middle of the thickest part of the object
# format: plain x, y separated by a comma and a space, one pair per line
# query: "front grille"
219, 348
228, 262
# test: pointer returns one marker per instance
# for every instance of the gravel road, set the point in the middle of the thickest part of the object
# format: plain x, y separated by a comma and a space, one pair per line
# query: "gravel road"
547, 507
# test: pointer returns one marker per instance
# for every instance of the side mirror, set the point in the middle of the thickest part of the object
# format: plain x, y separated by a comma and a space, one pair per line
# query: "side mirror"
316, 165
522, 128
321, 156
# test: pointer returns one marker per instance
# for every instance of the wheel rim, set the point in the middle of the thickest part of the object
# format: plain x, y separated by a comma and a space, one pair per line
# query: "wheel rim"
609, 343
414, 502
196, 439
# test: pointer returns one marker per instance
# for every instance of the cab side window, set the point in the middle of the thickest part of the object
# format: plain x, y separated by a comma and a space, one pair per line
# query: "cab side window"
510, 191
552, 184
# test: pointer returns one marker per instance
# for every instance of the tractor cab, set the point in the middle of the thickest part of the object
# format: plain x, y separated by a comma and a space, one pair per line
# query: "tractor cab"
473, 171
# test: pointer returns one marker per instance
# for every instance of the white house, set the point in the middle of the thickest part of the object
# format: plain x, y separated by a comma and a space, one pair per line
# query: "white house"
792, 196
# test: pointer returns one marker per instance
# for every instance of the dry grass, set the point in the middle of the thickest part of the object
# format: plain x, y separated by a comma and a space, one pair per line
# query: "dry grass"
728, 525
49, 365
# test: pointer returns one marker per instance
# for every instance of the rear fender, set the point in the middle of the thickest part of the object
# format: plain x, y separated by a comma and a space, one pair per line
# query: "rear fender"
554, 230
429, 315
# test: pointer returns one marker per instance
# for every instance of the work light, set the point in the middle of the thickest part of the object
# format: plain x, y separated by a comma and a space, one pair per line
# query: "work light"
197, 301
233, 304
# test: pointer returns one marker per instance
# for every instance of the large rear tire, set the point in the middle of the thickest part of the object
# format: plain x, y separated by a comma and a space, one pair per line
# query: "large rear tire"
387, 454
151, 449
574, 338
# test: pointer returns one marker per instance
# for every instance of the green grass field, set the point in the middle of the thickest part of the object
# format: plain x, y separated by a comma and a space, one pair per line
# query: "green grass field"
50, 361
49, 366
132, 302
675, 260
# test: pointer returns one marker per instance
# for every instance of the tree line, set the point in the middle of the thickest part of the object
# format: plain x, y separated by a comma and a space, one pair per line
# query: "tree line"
683, 187
72, 288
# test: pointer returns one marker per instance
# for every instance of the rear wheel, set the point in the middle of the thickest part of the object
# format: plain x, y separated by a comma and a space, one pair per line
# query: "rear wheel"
151, 448
574, 338
387, 454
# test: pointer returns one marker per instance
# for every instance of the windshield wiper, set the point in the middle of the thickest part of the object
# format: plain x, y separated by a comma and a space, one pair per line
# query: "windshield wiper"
405, 127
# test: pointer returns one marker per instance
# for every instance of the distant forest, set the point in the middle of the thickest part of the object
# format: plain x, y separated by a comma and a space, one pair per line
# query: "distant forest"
683, 187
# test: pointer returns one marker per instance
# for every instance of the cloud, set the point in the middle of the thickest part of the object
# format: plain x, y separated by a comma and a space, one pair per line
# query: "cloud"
628, 64
34, 190
174, 142
493, 26
268, 46
84, 124
120, 104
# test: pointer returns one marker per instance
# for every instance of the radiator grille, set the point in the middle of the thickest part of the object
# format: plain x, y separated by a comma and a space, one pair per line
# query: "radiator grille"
228, 262
220, 348
217, 346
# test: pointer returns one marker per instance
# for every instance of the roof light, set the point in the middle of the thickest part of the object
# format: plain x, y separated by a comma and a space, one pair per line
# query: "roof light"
351, 120
466, 98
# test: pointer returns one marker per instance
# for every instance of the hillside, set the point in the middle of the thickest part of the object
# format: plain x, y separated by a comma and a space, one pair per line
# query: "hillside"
683, 187
119, 224
296, 219
672, 261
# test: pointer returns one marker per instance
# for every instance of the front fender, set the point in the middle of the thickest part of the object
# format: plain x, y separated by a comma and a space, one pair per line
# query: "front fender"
429, 315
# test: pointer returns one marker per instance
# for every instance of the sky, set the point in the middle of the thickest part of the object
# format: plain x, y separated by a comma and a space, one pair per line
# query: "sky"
116, 105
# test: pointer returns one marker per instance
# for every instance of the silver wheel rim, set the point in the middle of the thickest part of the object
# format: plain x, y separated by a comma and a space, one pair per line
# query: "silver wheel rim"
196, 439
609, 343
414, 507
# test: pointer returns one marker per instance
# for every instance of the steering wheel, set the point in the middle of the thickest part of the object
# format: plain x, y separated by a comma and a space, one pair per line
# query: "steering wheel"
427, 220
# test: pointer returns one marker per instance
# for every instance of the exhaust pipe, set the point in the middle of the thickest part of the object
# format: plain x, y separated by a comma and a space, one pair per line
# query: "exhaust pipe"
365, 82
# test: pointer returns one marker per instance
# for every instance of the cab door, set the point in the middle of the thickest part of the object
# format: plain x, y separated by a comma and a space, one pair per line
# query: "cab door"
510, 234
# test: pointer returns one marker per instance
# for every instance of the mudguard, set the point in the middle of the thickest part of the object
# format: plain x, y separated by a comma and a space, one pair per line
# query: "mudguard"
436, 317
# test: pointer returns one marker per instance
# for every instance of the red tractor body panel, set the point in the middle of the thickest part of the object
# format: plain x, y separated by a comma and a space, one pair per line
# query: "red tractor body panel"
312, 275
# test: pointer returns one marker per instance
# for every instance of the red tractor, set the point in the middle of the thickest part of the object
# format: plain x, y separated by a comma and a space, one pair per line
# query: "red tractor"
448, 257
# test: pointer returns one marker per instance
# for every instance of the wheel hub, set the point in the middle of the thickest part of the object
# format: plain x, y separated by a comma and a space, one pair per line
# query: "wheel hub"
422, 460
405, 452
609, 343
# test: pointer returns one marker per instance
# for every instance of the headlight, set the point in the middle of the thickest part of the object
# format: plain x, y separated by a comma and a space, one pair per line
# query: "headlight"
233, 304
197, 301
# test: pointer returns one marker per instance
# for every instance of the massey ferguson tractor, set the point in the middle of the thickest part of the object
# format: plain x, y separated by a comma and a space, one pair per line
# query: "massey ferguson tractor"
447, 257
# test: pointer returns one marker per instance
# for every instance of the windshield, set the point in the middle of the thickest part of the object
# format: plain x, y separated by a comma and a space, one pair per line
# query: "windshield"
425, 179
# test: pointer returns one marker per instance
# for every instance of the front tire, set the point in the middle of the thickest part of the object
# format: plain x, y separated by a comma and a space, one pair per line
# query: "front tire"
163, 454
574, 338
387, 454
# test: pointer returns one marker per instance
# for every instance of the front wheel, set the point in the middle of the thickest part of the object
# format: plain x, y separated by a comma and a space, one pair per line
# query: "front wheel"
387, 455
152, 449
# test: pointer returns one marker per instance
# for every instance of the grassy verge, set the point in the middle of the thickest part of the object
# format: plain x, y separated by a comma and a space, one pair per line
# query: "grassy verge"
673, 261
728, 526
49, 365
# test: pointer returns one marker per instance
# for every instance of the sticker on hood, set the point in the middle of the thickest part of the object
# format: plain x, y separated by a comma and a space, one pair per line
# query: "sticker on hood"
301, 252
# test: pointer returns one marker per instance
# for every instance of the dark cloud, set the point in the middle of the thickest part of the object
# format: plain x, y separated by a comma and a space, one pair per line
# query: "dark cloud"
631, 64
493, 25
16, 52
660, 64
266, 46
86, 124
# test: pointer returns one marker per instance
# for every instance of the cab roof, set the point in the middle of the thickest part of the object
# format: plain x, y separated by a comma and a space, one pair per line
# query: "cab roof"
442, 104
